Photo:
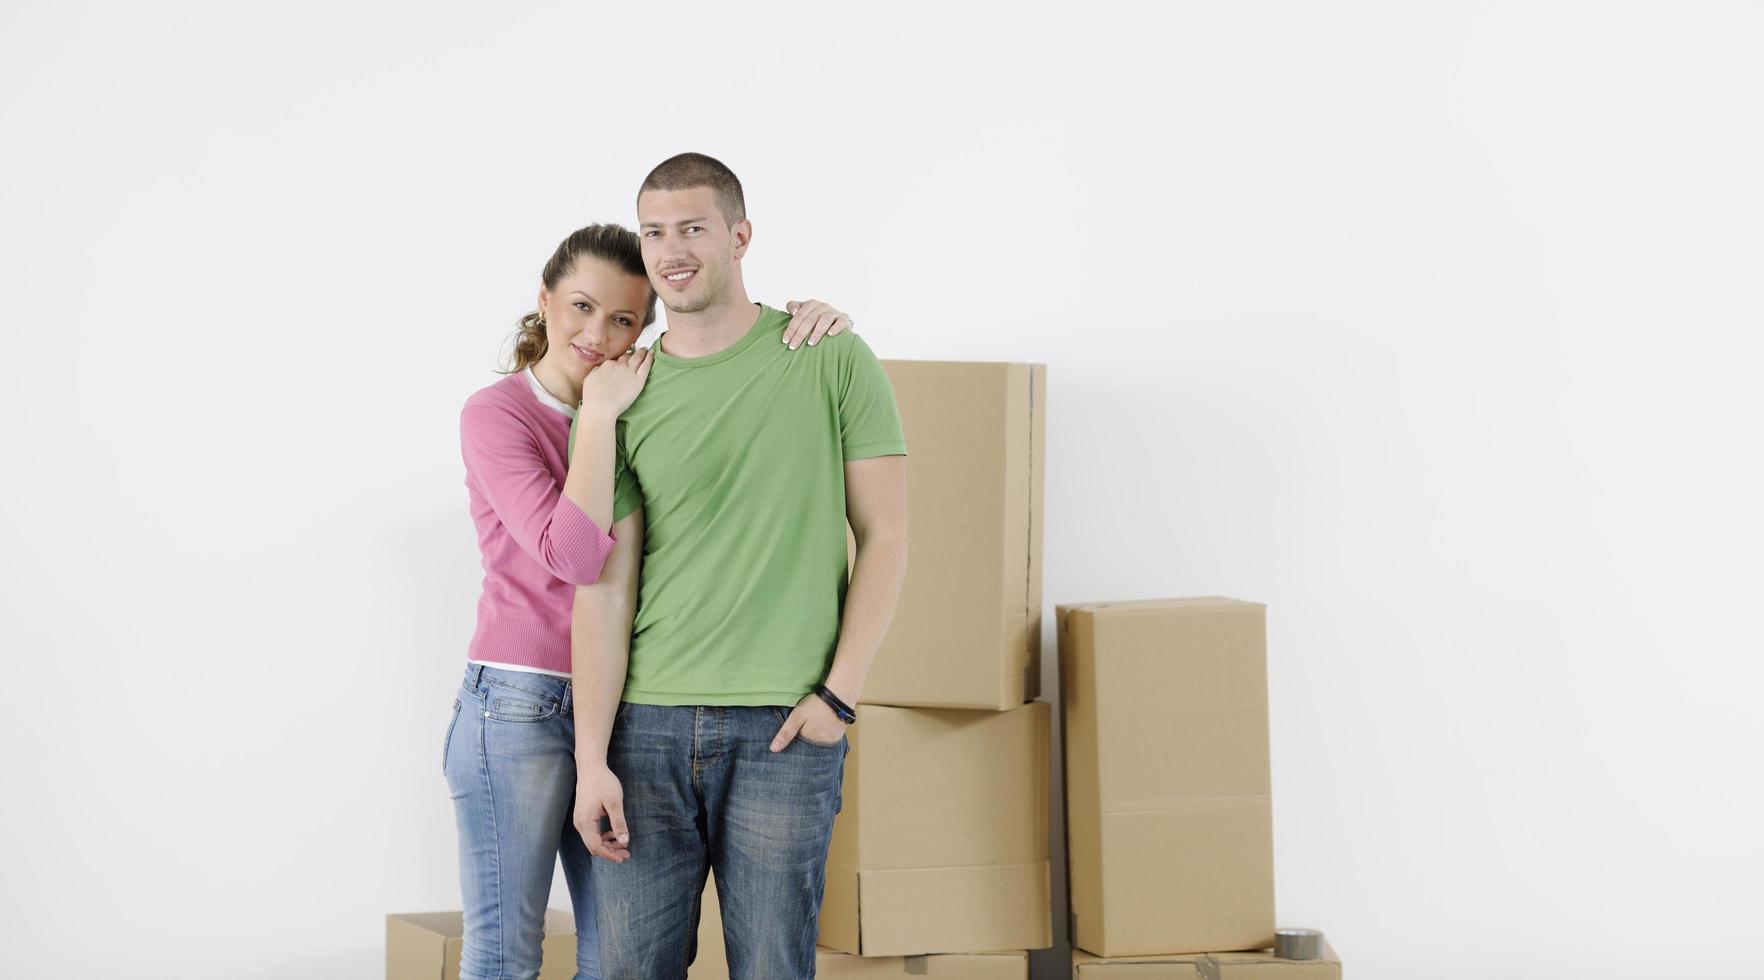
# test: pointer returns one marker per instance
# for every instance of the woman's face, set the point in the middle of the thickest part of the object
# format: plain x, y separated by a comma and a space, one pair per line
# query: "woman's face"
594, 315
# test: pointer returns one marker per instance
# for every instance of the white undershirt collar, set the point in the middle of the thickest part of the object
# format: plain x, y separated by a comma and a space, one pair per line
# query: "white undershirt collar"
546, 398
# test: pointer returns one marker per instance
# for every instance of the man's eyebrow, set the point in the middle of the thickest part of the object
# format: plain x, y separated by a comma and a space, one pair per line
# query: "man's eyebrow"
678, 224
596, 302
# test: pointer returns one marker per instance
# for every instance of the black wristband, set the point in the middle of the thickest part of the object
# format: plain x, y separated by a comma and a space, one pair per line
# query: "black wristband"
840, 708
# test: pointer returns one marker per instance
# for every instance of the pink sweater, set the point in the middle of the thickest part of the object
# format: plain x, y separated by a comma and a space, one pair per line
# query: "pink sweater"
537, 544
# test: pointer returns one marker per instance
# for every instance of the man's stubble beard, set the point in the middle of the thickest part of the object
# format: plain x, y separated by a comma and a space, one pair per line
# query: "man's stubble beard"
711, 290
691, 307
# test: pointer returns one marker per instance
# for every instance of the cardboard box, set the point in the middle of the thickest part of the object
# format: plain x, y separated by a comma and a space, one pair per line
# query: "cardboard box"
711, 963
1259, 965
967, 631
1169, 966
946, 966
941, 843
1169, 826
425, 946
1264, 965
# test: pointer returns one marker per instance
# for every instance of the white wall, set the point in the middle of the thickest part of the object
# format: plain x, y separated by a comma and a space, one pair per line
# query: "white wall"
1433, 326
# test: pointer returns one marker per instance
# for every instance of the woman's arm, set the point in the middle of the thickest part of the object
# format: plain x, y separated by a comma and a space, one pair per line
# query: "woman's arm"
608, 390
593, 451
503, 461
600, 651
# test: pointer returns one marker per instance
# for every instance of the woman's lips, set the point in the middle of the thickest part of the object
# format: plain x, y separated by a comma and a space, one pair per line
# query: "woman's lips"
592, 357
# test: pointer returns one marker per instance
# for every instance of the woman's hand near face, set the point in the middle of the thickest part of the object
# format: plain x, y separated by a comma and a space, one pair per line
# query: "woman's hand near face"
810, 320
612, 386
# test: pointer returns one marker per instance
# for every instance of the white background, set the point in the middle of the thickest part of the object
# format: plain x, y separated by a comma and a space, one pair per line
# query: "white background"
1433, 326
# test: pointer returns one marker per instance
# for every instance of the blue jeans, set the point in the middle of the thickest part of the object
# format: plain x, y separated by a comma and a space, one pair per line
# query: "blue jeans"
510, 762
704, 790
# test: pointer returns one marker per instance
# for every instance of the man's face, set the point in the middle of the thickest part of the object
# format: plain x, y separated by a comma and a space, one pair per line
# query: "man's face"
688, 249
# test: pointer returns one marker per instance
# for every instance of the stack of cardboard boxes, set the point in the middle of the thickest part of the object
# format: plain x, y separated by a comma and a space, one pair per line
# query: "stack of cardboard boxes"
1170, 849
939, 857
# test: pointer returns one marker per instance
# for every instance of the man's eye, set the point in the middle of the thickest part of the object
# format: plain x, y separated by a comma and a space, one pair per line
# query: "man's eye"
695, 228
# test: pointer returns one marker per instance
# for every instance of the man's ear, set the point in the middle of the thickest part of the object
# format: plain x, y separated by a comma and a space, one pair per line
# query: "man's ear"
743, 234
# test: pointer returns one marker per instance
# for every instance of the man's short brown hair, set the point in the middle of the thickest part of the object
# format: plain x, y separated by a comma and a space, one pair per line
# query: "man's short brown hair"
687, 170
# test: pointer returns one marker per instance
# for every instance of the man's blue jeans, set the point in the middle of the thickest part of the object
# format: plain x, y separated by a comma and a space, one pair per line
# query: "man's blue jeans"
704, 790
510, 762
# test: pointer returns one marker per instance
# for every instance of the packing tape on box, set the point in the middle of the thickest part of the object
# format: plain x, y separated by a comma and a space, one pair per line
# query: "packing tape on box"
1298, 944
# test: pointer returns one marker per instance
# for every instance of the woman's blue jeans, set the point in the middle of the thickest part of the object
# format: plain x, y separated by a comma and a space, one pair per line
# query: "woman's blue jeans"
510, 763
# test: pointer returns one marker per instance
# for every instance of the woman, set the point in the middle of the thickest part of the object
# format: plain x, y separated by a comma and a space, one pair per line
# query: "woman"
541, 514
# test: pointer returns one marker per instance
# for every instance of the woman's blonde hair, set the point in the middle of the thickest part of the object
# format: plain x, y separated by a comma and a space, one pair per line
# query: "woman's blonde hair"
615, 244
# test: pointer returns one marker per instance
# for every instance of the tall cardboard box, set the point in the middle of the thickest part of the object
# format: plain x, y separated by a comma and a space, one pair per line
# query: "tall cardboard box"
712, 962
1169, 826
967, 631
425, 946
1257, 965
941, 842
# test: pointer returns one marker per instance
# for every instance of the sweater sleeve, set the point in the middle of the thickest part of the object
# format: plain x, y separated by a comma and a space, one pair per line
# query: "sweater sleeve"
502, 459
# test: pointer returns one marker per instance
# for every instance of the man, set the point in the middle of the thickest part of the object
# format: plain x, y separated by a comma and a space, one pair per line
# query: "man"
721, 647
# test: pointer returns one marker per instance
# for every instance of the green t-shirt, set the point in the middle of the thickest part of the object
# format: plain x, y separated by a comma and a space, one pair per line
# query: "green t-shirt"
737, 460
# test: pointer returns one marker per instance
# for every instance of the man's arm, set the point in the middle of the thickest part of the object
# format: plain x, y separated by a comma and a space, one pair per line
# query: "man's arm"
600, 648
876, 507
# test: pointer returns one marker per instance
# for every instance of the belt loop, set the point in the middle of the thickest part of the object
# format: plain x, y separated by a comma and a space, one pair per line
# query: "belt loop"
477, 676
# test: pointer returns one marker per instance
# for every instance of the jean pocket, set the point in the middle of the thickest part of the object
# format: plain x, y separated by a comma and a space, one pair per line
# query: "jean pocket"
512, 704
800, 737
783, 715
447, 743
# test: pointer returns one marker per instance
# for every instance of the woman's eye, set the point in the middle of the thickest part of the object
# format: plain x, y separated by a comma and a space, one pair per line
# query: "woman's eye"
582, 306
624, 321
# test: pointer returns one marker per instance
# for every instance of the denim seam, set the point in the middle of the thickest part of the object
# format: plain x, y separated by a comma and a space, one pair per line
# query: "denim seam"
447, 743
495, 835
697, 771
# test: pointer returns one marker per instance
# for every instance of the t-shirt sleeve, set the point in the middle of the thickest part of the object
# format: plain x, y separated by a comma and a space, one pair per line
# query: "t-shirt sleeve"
627, 493
869, 421
503, 461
